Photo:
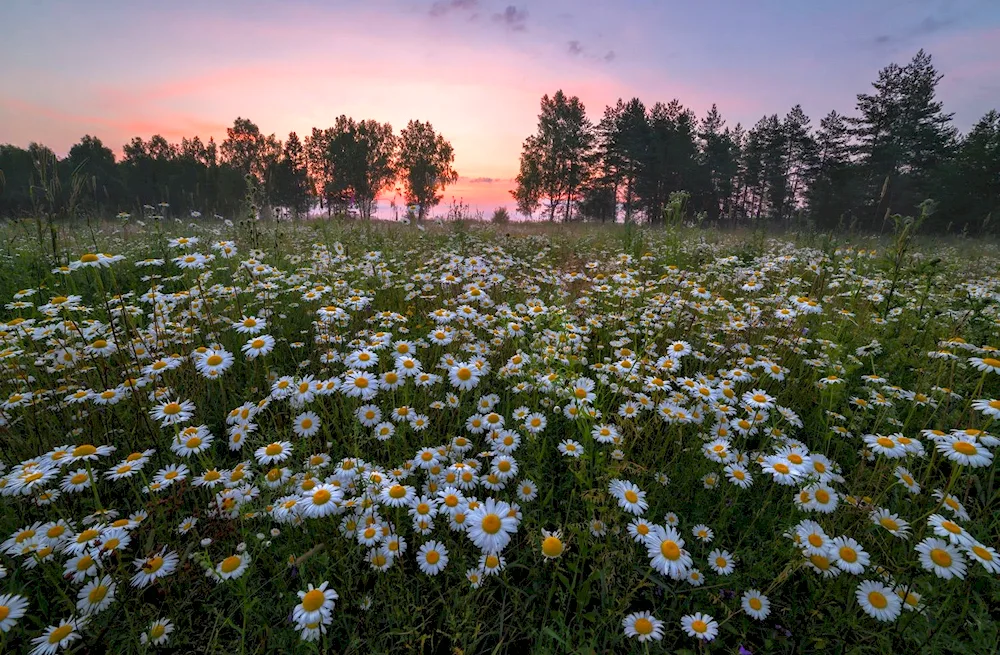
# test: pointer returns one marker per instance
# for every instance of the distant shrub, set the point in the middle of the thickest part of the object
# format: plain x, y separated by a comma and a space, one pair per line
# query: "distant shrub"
501, 215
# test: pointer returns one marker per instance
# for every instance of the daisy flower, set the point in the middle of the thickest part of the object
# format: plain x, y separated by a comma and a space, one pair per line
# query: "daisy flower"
321, 500
949, 530
432, 557
154, 567
942, 558
755, 604
258, 346
315, 605
848, 555
96, 595
231, 567
896, 526
552, 544
985, 364
985, 555
490, 525
172, 412
630, 498
878, 600
570, 448
157, 633
665, 548
964, 451
57, 637
306, 424
721, 561
644, 626
277, 451
12, 607
700, 626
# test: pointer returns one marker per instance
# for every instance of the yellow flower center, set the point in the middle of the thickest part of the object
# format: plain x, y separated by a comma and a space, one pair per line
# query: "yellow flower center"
941, 557
491, 524
552, 546
877, 600
230, 564
965, 448
60, 633
321, 497
982, 553
97, 594
670, 550
84, 451
313, 600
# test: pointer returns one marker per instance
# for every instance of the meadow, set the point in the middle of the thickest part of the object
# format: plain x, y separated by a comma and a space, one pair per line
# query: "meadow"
361, 437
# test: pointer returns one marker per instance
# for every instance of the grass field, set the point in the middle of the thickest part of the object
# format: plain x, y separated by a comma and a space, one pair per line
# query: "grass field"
495, 439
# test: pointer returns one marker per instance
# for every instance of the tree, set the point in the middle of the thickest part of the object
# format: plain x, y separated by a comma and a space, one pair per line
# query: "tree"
292, 176
970, 184
556, 157
96, 163
528, 191
622, 137
669, 159
425, 164
361, 158
902, 135
718, 157
800, 160
250, 152
828, 197
16, 170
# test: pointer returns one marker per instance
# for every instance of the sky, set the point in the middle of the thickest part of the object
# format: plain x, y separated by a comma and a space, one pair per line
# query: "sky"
476, 69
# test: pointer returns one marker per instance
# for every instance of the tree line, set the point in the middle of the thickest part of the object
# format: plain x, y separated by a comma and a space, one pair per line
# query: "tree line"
898, 151
342, 168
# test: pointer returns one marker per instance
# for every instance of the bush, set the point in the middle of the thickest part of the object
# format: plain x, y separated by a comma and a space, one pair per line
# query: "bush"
501, 215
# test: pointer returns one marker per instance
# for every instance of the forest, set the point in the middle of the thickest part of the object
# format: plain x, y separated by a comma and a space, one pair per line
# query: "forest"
899, 153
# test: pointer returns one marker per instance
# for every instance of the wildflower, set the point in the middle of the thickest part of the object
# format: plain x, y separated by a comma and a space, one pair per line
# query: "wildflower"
644, 626
700, 626
432, 557
755, 604
157, 633
940, 557
878, 600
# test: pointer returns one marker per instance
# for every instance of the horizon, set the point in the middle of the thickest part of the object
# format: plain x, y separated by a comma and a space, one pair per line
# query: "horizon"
475, 69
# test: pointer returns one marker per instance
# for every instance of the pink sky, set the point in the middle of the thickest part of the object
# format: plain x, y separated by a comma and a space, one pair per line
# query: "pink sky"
475, 69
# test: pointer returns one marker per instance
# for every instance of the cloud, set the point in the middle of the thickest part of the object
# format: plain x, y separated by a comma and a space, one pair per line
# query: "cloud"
443, 7
929, 25
483, 180
610, 56
574, 48
514, 19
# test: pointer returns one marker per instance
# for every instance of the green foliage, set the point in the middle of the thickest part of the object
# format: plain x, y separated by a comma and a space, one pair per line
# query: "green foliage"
571, 604
425, 165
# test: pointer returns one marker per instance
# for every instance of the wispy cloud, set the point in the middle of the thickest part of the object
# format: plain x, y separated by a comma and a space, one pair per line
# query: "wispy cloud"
443, 7
928, 26
514, 19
